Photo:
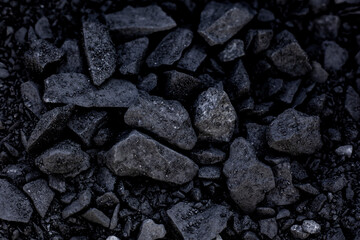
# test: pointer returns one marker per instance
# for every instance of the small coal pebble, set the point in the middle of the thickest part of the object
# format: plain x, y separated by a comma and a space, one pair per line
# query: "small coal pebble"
149, 230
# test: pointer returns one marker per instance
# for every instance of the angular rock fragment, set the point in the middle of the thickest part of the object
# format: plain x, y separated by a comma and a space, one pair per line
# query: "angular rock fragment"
65, 158
96, 216
85, 124
40, 194
149, 230
334, 56
265, 15
289, 90
138, 155
327, 26
49, 127
99, 51
288, 56
140, 21
131, 54
259, 40
180, 85
318, 74
42, 56
166, 118
208, 156
215, 117
334, 184
238, 84
15, 207
274, 85
345, 150
298, 232
107, 200
148, 83
192, 59
209, 172
170, 48
73, 62
57, 183
31, 97
75, 88
42, 28
248, 179
268, 227
295, 133
310, 226
216, 16
198, 222
82, 202
232, 51
352, 103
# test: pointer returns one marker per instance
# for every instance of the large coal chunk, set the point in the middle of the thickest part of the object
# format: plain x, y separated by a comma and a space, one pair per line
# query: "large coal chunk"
248, 179
295, 133
15, 207
73, 61
99, 51
149, 230
82, 202
221, 21
137, 154
131, 55
42, 56
352, 103
232, 51
170, 48
215, 117
75, 88
202, 222
49, 127
31, 97
238, 84
334, 56
288, 56
141, 21
166, 118
65, 158
192, 59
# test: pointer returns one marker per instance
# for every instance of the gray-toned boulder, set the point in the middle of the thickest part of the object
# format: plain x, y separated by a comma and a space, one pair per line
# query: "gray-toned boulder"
131, 54
137, 154
140, 21
99, 51
42, 28
248, 179
166, 118
215, 117
75, 88
65, 158
149, 230
295, 133
170, 48
216, 16
15, 207
202, 222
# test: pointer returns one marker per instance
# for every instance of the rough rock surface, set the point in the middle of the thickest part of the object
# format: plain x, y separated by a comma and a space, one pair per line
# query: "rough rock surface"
82, 202
238, 83
149, 230
166, 118
75, 88
295, 133
248, 179
202, 222
232, 51
96, 216
352, 103
138, 155
131, 54
31, 96
335, 56
192, 59
73, 61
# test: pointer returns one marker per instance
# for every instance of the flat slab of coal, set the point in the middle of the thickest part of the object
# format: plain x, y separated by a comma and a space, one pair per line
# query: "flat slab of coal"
75, 88
200, 222
137, 154
140, 21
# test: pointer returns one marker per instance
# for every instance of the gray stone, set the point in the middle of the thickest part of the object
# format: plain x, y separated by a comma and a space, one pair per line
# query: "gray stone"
15, 207
85, 124
238, 84
334, 184
40, 194
308, 188
31, 97
248, 179
20, 35
4, 73
57, 183
216, 15
170, 48
73, 62
295, 133
99, 51
107, 200
149, 230
65, 158
136, 154
131, 55
115, 217
352, 103
140, 21
334, 56
166, 118
82, 202
248, 235
148, 83
233, 50
215, 117
208, 156
288, 56
345, 150
105, 179
75, 88
327, 26
42, 55
201, 223
96, 216
209, 172
42, 28
318, 74
256, 135
274, 85
298, 232
289, 90
335, 234
192, 59
181, 86
268, 227
259, 40
49, 127
310, 226
265, 15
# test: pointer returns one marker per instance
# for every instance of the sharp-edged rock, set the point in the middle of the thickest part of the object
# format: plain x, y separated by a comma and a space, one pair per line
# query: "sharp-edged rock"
352, 103
31, 97
149, 230
131, 55
192, 59
238, 83
96, 216
82, 202
232, 51
73, 61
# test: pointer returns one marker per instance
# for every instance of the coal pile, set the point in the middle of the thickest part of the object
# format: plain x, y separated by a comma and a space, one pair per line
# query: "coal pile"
194, 120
